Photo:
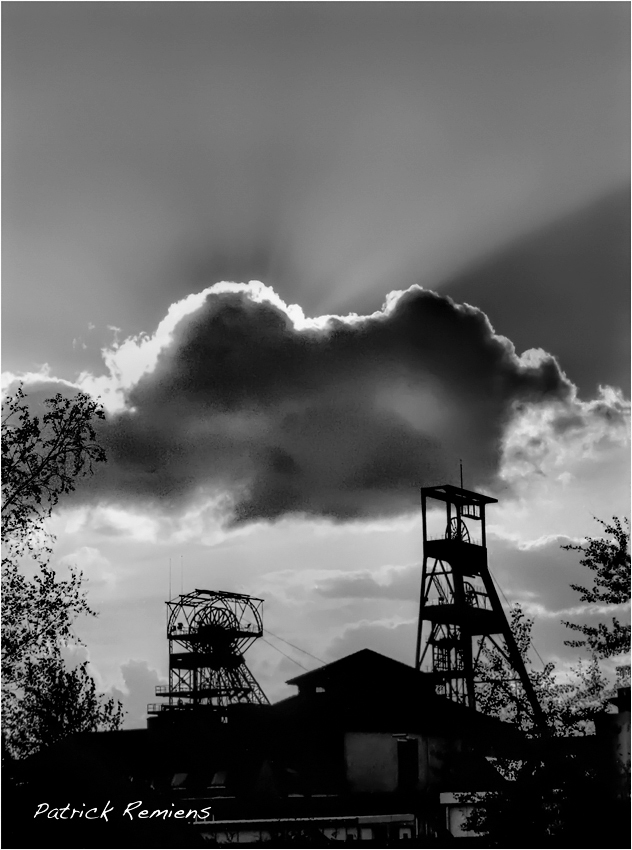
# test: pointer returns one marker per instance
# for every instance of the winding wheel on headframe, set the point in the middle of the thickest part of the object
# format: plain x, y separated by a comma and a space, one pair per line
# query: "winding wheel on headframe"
209, 631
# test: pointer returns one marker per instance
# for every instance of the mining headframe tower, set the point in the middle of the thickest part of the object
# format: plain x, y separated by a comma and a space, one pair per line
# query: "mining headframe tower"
209, 631
460, 612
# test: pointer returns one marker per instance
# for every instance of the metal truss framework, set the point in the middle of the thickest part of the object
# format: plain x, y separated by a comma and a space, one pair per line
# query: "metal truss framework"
209, 631
460, 613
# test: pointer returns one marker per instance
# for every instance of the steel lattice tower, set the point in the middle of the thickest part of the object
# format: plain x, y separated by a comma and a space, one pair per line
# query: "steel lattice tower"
459, 608
209, 631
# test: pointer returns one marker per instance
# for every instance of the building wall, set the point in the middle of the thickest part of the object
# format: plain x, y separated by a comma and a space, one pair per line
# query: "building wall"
623, 738
371, 762
613, 730
622, 752
439, 754
376, 762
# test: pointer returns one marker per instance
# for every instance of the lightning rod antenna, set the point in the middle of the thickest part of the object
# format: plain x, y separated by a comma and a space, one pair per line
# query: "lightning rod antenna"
461, 469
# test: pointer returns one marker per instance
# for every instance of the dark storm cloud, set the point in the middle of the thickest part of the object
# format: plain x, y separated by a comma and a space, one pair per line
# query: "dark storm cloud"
342, 419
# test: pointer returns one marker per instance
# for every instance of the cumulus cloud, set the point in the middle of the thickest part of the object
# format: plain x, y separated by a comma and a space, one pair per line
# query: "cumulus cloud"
243, 401
96, 568
537, 574
139, 690
543, 439
394, 637
400, 583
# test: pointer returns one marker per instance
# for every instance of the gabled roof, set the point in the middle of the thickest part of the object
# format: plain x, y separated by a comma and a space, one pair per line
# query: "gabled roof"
369, 691
364, 665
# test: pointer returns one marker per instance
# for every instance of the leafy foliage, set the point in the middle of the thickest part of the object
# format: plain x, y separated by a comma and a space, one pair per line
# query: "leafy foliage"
552, 800
55, 701
37, 616
569, 707
557, 778
42, 457
41, 460
610, 561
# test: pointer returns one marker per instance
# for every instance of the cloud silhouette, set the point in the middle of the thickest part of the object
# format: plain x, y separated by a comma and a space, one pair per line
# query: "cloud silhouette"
338, 416
240, 399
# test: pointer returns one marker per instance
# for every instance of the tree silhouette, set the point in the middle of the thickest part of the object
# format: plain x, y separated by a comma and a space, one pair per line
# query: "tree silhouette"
609, 560
42, 458
570, 707
553, 782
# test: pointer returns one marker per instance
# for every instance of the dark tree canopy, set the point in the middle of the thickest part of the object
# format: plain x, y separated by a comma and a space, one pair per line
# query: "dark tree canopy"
570, 707
56, 701
42, 457
609, 560
551, 785
37, 615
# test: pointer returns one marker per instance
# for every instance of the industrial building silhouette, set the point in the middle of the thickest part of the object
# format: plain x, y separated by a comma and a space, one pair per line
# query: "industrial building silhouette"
368, 749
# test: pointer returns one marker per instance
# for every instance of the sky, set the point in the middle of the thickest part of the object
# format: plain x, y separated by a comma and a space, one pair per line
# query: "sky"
309, 255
